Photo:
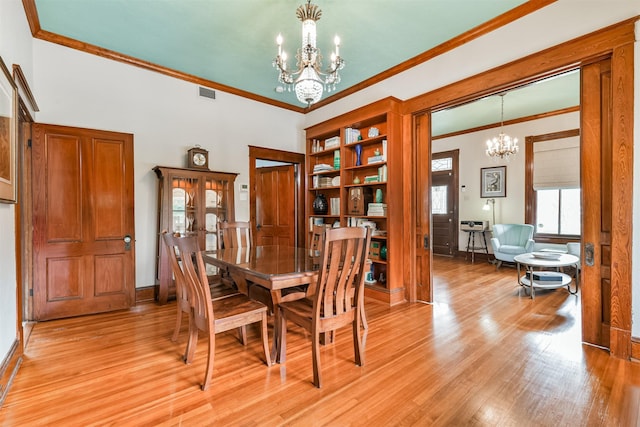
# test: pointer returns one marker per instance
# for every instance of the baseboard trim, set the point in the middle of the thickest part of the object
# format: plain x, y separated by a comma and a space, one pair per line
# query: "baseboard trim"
146, 294
635, 348
9, 369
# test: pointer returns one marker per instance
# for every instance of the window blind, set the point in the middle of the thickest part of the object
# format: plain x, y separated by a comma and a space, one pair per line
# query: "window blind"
556, 164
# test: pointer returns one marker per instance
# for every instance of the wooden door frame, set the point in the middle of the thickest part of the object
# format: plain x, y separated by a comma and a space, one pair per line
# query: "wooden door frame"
298, 159
617, 42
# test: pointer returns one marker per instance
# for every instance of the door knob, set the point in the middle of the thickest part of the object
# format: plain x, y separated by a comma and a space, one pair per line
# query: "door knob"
127, 242
589, 253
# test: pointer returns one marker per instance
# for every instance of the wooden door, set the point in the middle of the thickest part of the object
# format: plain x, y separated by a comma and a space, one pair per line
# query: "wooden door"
444, 201
596, 173
83, 217
422, 136
276, 206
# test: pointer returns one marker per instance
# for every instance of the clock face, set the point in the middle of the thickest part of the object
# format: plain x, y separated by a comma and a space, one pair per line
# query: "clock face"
199, 159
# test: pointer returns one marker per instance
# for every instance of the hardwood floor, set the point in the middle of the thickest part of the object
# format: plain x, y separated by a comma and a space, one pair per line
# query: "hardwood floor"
483, 354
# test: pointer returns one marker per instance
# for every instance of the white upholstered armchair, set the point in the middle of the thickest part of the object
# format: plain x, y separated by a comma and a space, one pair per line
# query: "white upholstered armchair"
510, 240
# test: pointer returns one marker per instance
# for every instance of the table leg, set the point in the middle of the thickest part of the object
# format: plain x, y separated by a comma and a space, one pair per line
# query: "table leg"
276, 297
240, 281
533, 292
577, 279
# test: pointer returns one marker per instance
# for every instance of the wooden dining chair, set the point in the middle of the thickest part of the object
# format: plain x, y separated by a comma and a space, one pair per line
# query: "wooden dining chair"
183, 305
338, 299
238, 234
235, 234
213, 315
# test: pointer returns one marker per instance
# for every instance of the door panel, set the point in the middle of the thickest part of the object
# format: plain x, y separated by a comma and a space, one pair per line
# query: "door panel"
275, 206
82, 210
596, 169
109, 181
424, 291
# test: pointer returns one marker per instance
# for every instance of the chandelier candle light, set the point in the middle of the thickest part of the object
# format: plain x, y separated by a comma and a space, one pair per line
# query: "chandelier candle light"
503, 145
309, 80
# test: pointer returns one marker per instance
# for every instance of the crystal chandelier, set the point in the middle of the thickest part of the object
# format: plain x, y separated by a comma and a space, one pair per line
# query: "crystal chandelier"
309, 80
503, 145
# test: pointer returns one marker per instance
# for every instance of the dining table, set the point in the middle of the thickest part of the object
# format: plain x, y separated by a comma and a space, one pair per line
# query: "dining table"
276, 267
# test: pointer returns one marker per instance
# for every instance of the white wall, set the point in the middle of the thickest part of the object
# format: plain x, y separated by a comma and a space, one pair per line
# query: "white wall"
472, 148
166, 117
15, 48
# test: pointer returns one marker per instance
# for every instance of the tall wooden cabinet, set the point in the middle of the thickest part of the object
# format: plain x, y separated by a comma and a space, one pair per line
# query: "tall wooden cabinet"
354, 167
190, 202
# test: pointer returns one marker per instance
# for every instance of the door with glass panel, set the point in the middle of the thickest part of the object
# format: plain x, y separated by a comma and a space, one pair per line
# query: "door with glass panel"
444, 202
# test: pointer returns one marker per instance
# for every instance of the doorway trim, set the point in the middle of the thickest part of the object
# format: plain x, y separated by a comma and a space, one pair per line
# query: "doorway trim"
298, 159
617, 42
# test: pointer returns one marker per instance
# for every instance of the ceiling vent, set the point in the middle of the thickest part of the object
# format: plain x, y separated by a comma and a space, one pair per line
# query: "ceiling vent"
207, 93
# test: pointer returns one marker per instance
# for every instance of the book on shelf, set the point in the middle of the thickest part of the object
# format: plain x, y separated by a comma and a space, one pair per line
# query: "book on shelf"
375, 159
372, 178
334, 206
382, 173
351, 135
384, 149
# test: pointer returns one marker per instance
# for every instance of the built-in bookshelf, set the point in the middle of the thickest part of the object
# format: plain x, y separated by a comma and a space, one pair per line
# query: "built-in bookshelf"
354, 174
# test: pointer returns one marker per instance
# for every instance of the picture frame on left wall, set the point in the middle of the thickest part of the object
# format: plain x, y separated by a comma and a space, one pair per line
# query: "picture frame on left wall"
8, 135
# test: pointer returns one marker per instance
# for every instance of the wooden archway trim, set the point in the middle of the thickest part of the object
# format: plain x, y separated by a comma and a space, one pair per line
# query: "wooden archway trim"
615, 41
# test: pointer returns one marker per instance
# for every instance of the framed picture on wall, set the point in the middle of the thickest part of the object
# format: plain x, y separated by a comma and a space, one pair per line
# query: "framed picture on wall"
8, 135
493, 182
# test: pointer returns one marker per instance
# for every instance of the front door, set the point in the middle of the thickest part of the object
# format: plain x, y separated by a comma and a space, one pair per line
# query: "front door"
83, 236
276, 206
444, 218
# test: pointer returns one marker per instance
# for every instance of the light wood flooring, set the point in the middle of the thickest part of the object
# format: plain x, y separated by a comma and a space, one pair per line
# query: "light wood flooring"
482, 354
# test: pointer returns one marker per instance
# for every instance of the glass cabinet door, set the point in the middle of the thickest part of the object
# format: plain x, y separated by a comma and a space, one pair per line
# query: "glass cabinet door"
185, 204
216, 201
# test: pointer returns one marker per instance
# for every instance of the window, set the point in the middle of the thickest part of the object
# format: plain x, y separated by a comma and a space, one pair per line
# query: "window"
558, 211
439, 200
552, 184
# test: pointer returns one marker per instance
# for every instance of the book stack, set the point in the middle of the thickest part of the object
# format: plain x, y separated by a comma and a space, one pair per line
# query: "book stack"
321, 181
351, 135
331, 142
547, 277
377, 209
371, 178
375, 159
322, 167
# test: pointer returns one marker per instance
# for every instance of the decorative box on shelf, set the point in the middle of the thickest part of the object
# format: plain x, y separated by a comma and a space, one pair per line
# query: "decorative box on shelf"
374, 250
359, 197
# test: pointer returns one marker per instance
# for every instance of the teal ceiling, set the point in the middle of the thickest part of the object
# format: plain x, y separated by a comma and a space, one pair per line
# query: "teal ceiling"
232, 42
